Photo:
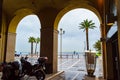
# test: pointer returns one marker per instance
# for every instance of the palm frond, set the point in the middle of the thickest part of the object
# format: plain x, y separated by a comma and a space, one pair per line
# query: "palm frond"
87, 24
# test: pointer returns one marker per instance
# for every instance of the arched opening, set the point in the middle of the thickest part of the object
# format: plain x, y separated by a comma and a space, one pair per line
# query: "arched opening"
73, 42
11, 38
28, 27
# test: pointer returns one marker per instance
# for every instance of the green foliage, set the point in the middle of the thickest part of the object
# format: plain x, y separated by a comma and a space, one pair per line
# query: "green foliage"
98, 53
87, 25
97, 45
37, 40
31, 40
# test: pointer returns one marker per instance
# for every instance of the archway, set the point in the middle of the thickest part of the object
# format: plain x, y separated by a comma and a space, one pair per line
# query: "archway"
11, 38
73, 41
28, 27
75, 6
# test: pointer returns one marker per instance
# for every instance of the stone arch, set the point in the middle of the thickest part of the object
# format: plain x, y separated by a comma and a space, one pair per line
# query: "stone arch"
11, 36
19, 14
75, 5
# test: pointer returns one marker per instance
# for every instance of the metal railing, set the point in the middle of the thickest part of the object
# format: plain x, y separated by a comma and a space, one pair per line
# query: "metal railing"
70, 56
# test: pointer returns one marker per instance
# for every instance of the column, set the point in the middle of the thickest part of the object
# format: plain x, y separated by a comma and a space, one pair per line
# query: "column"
11, 40
118, 24
49, 46
49, 38
109, 57
2, 46
103, 40
1, 2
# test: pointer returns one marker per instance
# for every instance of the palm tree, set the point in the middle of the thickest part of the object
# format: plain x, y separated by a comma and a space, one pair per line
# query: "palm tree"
37, 40
31, 40
86, 25
97, 45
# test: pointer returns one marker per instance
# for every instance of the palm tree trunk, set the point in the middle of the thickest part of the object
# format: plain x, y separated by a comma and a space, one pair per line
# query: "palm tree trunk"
31, 49
36, 48
87, 38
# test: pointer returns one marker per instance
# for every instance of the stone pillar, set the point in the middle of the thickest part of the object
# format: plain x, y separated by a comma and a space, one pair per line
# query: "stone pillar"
55, 51
104, 56
49, 41
49, 38
10, 47
1, 2
2, 47
118, 24
109, 55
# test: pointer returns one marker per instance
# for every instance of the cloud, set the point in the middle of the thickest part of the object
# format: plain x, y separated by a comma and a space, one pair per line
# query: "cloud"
28, 26
74, 38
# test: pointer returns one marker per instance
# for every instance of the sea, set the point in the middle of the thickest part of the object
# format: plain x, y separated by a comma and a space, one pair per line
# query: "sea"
63, 53
71, 53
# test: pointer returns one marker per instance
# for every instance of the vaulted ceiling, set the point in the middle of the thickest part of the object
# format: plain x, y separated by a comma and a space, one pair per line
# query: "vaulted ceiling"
10, 6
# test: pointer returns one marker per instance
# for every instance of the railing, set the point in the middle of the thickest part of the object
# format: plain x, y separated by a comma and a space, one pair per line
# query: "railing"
70, 56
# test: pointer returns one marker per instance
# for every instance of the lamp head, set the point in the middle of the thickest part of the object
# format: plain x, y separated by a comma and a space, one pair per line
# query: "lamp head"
110, 19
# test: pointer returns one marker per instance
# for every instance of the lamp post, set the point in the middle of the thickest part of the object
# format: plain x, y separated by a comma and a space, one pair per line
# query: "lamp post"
61, 33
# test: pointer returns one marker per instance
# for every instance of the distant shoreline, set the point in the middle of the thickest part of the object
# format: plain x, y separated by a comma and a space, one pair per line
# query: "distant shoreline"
27, 53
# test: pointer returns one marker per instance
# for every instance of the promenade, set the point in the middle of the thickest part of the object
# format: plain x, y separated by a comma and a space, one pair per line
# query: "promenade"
75, 69
72, 68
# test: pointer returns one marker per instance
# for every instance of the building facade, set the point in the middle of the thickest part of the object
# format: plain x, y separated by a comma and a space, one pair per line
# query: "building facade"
50, 12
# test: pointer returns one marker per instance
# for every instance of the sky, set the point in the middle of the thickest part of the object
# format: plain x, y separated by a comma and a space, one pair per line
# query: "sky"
28, 26
74, 38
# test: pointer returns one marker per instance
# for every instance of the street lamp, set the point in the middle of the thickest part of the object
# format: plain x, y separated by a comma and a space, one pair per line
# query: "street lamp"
61, 33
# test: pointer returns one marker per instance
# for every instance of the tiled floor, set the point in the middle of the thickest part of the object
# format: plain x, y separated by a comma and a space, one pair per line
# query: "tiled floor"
61, 76
75, 69
79, 77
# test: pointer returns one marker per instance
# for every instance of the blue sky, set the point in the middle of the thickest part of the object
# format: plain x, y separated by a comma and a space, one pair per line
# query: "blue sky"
73, 39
